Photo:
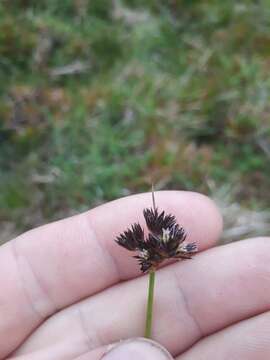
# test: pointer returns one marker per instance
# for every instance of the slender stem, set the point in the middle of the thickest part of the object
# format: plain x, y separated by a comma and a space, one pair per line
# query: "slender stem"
150, 301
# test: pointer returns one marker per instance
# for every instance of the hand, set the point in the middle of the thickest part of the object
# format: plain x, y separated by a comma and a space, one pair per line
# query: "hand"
67, 290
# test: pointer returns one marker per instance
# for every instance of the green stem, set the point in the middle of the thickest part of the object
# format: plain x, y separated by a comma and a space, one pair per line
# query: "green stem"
150, 301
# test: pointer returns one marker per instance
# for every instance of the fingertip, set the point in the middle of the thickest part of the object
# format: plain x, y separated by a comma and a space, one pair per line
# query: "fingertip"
138, 348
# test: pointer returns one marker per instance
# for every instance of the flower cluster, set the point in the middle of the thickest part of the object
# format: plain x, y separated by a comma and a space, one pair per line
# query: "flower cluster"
165, 240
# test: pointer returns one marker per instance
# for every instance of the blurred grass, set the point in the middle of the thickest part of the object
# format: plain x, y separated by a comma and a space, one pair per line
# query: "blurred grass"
98, 98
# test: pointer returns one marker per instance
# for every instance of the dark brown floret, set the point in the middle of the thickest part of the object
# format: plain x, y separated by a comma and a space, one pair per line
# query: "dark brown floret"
191, 247
131, 239
186, 251
156, 222
178, 234
149, 259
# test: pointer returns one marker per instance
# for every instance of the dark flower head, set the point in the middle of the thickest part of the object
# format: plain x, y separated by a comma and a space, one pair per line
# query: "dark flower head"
131, 239
166, 240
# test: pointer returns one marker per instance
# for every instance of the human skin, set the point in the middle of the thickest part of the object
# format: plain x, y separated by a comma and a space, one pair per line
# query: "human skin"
68, 291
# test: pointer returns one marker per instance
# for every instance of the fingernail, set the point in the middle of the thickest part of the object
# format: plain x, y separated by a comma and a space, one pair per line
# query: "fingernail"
138, 348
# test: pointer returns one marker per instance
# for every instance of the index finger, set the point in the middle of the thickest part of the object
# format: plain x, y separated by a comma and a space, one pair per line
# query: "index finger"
53, 266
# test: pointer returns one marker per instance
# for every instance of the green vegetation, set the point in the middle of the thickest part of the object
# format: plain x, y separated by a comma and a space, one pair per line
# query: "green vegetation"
98, 98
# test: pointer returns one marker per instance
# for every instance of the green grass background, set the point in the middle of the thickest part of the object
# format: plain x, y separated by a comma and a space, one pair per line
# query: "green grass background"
175, 92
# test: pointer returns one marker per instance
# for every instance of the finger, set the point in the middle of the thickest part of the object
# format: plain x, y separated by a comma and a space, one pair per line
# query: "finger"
248, 340
193, 299
56, 265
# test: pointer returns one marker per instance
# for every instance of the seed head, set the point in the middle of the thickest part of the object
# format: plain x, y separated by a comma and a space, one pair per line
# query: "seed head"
165, 239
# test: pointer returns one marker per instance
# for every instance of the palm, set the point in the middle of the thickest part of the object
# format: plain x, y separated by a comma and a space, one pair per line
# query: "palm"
64, 294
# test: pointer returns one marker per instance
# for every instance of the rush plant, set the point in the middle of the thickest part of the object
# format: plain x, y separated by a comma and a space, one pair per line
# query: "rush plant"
165, 239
